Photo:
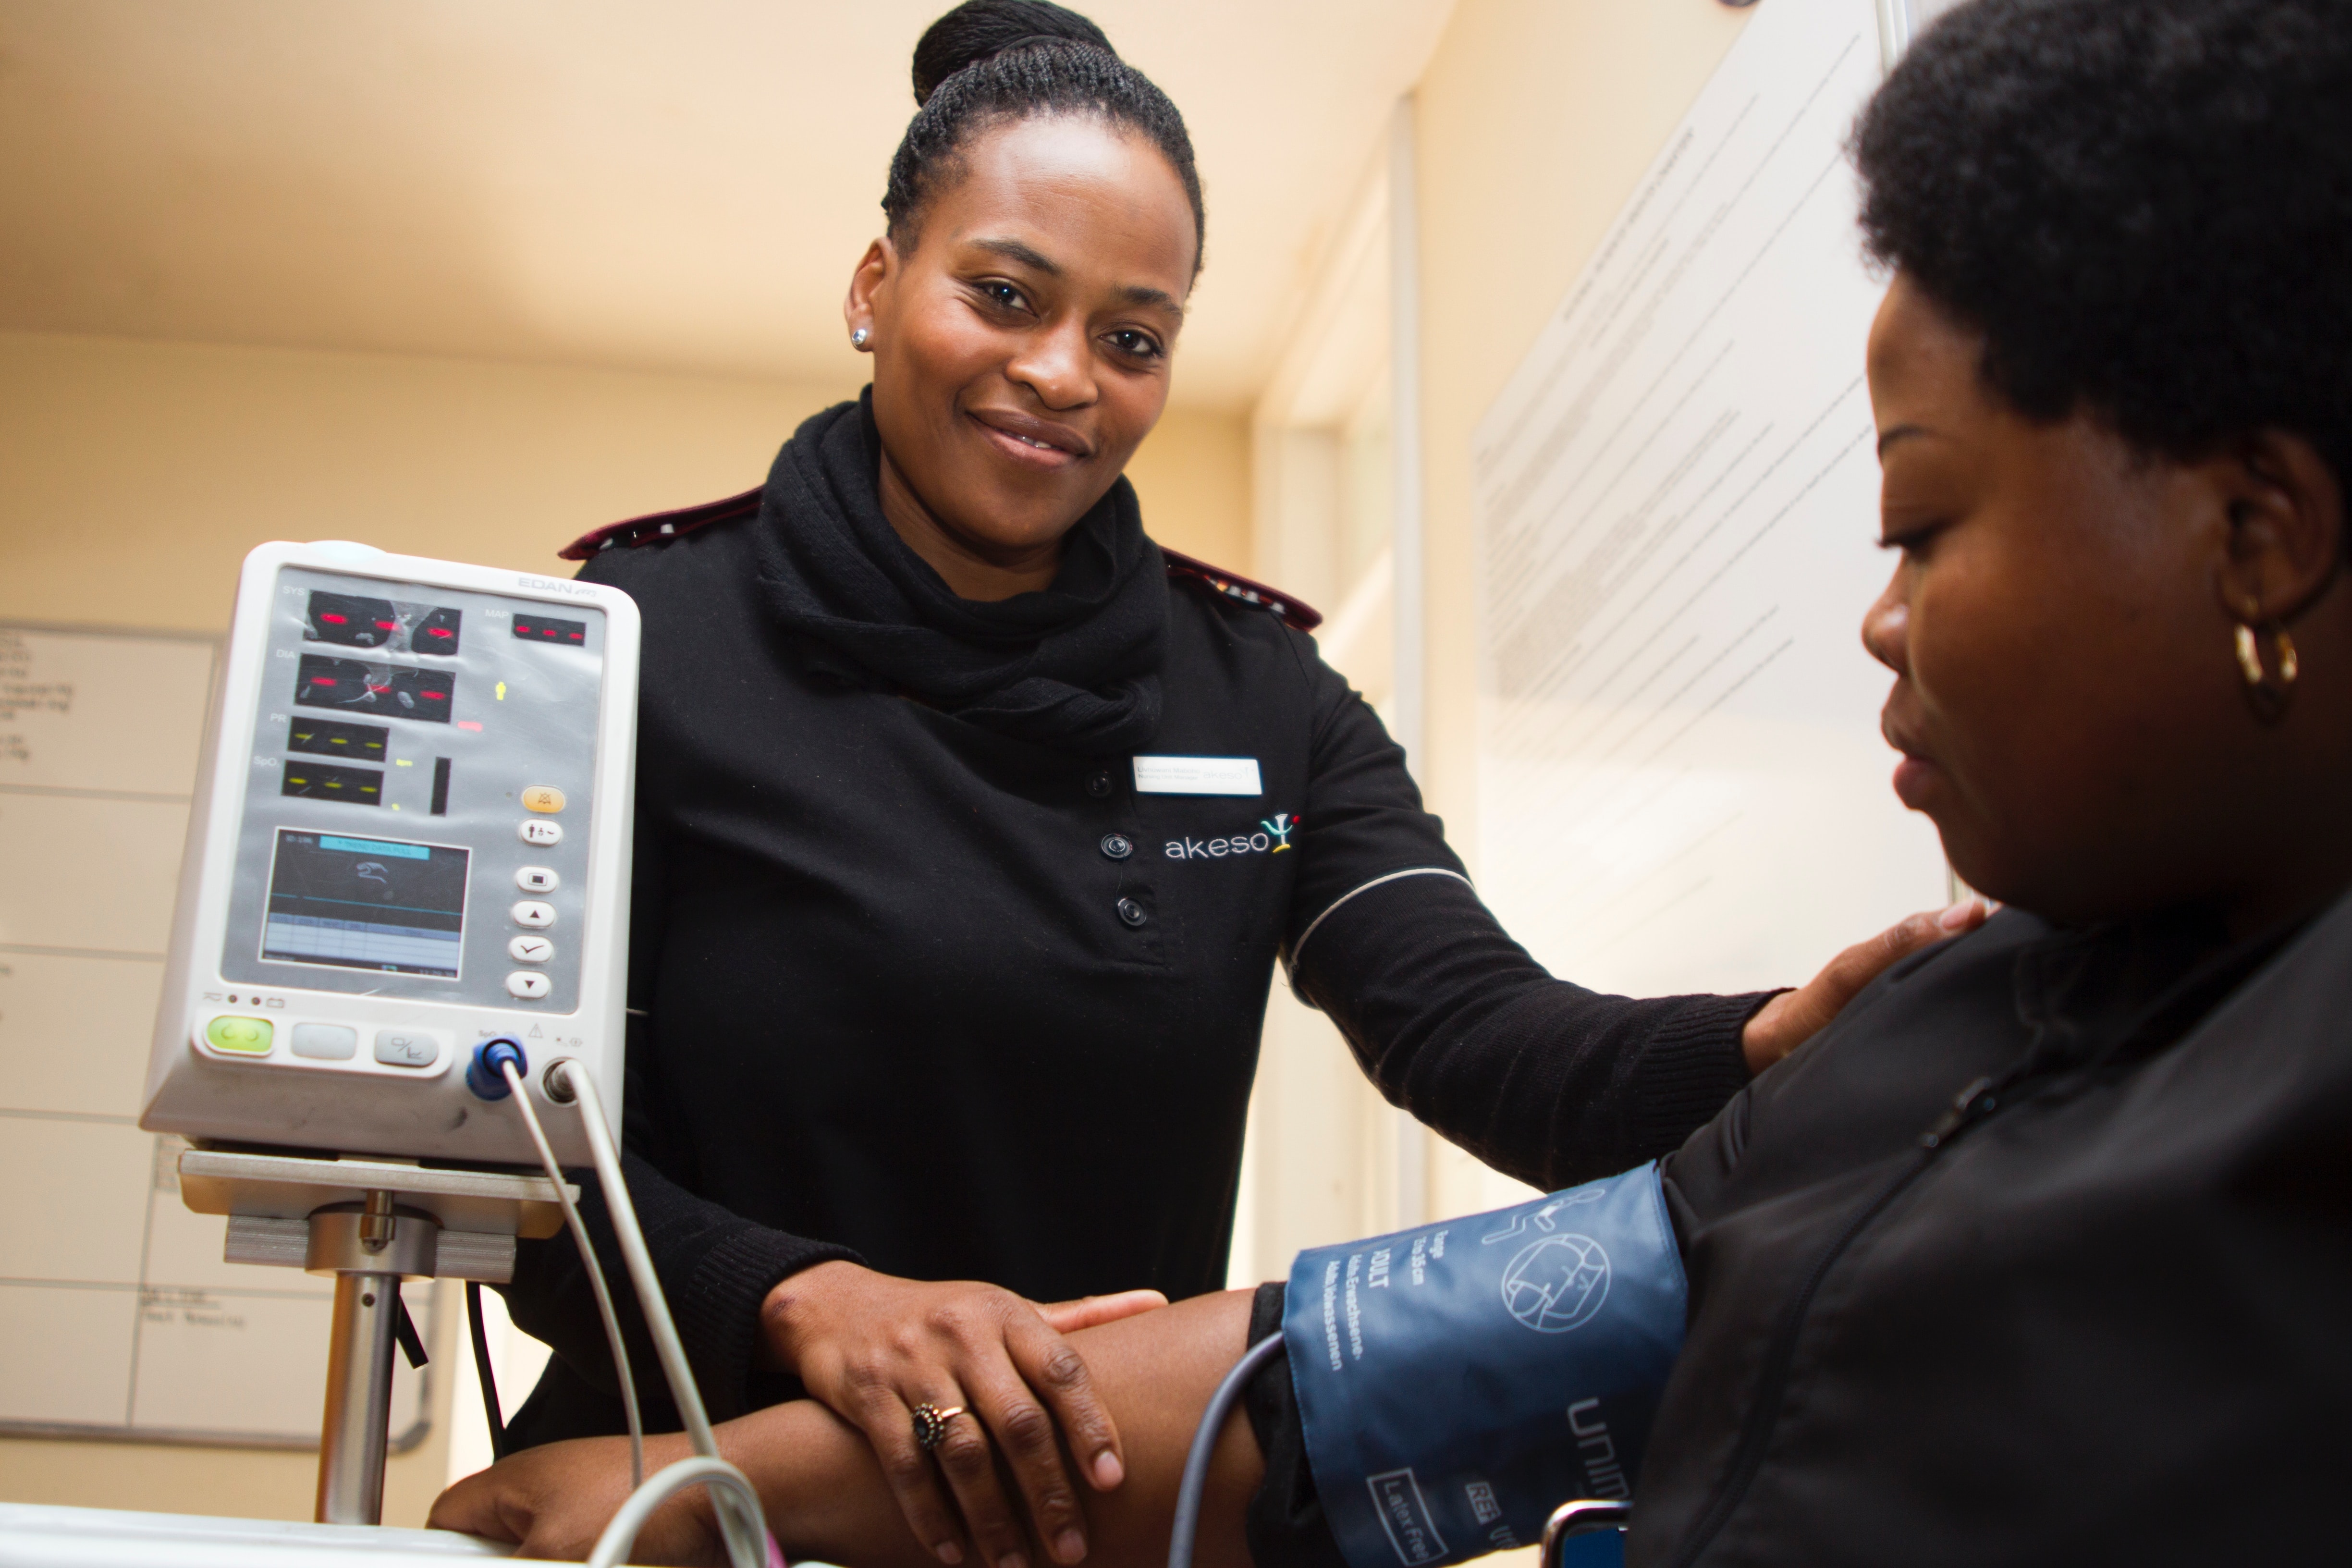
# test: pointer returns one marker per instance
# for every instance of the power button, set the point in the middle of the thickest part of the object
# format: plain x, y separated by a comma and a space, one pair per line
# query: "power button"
247, 1037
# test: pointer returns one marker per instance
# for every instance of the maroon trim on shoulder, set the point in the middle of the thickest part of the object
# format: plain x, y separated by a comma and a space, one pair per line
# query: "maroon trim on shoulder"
1298, 617
660, 525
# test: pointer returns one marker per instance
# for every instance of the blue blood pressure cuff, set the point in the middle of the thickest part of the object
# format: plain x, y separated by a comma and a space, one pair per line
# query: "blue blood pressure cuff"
1458, 1383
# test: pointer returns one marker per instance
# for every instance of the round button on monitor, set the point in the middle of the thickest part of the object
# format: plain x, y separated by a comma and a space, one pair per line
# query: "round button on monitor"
531, 949
528, 985
531, 912
539, 833
535, 879
542, 797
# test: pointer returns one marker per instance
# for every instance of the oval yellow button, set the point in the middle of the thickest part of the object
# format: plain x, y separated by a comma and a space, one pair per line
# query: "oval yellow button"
542, 797
249, 1036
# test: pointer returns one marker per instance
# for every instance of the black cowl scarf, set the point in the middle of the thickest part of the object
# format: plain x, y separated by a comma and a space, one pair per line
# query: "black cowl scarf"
1076, 666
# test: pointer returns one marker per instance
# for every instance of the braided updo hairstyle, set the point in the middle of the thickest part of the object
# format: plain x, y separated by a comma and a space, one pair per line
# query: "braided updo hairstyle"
988, 62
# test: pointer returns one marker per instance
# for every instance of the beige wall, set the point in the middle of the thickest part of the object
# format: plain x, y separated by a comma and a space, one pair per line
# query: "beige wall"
134, 476
1535, 120
139, 474
1192, 475
241, 1483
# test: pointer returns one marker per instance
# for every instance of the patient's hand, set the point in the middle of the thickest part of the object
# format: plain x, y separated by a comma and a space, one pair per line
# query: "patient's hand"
555, 1500
873, 1347
1792, 1017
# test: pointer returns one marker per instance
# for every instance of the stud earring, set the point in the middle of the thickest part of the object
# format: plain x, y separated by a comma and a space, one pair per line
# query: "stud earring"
857, 339
2267, 694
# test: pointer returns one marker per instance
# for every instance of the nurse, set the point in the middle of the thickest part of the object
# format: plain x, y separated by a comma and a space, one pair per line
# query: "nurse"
971, 825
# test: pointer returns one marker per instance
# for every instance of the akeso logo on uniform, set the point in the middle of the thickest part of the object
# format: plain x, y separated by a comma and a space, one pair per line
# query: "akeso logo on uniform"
1272, 837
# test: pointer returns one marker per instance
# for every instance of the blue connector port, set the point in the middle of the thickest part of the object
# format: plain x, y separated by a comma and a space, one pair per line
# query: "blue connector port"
483, 1076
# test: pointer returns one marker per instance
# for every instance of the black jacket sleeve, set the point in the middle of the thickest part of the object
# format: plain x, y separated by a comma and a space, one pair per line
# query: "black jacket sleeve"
715, 1267
1452, 1019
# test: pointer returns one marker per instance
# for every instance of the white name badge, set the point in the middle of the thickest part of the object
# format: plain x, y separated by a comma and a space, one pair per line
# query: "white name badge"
1197, 775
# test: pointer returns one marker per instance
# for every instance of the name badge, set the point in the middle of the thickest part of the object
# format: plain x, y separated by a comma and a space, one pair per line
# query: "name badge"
1197, 775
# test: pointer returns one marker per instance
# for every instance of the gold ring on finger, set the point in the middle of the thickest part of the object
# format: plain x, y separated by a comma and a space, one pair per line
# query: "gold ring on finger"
931, 1424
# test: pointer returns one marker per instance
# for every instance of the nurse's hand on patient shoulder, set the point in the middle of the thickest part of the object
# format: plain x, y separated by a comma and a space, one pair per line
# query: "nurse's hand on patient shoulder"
873, 1348
553, 1502
1792, 1017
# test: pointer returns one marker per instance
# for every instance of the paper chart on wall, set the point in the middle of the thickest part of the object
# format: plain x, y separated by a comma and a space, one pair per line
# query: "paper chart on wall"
120, 1317
1681, 783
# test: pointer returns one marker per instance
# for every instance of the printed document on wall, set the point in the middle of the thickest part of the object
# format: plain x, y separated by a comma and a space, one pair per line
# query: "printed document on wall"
1681, 780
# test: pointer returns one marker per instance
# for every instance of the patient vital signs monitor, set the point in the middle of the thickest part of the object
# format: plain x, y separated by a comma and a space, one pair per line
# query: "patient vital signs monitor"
401, 946
410, 837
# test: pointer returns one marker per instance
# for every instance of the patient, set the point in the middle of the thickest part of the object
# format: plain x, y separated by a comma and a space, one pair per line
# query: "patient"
2043, 1253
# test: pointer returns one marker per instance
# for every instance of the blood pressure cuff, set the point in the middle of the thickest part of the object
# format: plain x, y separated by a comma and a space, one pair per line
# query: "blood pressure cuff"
1458, 1383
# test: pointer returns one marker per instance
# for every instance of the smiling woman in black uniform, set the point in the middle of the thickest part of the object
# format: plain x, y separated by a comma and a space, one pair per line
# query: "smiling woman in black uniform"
972, 824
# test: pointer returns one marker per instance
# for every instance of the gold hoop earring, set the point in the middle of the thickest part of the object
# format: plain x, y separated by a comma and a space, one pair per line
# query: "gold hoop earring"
2267, 694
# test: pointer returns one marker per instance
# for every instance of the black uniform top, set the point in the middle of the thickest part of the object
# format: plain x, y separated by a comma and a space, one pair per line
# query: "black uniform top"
2041, 1254
969, 1007
2035, 1254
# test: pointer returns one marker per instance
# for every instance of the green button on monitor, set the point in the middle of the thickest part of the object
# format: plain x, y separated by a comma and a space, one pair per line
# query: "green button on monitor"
248, 1036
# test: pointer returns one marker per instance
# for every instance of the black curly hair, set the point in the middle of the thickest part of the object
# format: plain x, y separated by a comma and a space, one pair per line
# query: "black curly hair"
989, 61
2145, 205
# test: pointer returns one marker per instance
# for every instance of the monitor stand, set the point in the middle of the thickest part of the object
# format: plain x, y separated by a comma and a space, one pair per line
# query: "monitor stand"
371, 1223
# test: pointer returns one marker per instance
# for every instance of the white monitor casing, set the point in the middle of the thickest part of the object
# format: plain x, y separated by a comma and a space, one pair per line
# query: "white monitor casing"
356, 767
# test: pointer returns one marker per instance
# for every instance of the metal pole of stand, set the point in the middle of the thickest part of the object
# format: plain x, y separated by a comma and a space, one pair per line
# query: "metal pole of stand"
352, 1438
370, 1246
372, 1225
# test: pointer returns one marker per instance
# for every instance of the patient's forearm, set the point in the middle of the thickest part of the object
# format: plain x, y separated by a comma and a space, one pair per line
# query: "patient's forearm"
825, 1496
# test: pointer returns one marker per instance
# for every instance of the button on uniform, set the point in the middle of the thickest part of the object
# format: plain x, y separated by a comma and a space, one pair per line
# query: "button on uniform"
1133, 913
1118, 846
1098, 785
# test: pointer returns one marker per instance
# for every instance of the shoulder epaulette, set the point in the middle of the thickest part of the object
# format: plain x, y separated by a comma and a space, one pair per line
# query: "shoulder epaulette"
659, 525
1298, 617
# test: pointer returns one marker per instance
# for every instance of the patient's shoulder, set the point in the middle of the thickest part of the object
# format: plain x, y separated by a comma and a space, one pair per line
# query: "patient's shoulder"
1865, 1087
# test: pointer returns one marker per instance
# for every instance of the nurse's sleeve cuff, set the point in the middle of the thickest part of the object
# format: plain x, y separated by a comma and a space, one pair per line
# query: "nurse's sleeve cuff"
1458, 1382
718, 1313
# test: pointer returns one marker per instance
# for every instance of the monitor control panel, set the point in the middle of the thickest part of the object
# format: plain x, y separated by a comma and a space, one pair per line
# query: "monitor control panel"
411, 834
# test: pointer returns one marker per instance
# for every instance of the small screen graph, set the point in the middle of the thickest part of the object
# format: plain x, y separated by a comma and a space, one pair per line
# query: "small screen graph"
365, 904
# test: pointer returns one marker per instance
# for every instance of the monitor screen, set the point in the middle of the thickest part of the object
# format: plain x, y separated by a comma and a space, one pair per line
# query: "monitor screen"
365, 904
